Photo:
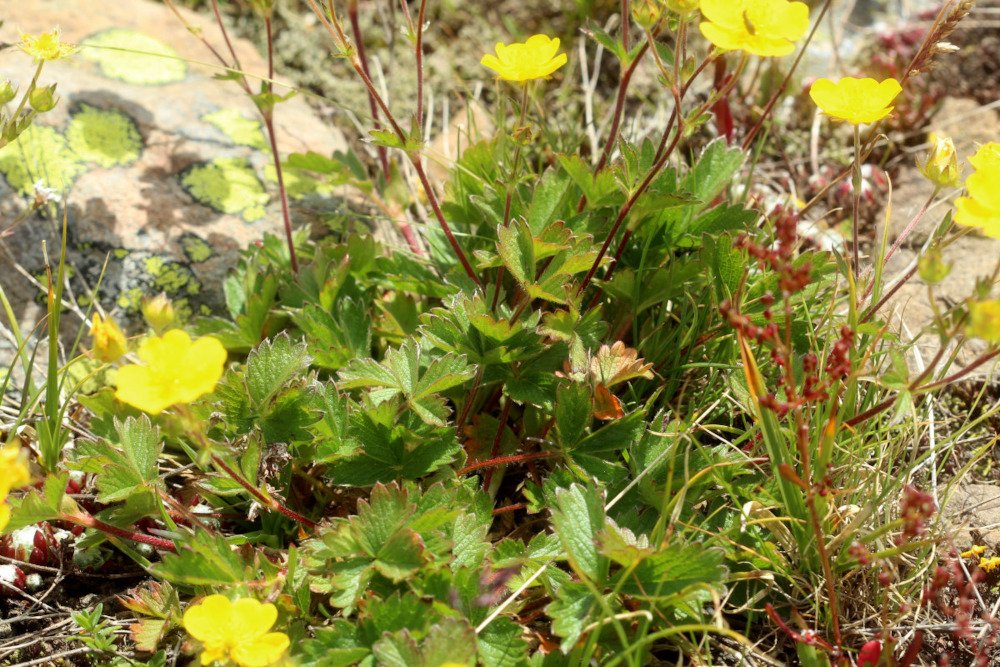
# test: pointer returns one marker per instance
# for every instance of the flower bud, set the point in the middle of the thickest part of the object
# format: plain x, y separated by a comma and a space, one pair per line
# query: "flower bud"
43, 99
683, 7
109, 341
941, 167
7, 92
932, 267
158, 312
647, 13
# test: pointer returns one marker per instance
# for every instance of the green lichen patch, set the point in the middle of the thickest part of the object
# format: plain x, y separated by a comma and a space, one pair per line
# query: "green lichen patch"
133, 57
40, 154
240, 130
195, 248
103, 137
228, 185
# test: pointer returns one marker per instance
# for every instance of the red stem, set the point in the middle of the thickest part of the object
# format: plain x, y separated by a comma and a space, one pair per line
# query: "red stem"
88, 521
383, 154
504, 460
263, 498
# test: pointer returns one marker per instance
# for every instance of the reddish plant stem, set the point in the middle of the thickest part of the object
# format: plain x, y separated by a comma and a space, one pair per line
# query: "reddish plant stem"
509, 508
505, 460
383, 154
340, 38
264, 499
497, 439
616, 118
626, 16
88, 521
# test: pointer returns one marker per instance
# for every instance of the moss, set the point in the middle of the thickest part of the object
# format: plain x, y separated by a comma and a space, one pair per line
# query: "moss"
228, 185
240, 130
103, 137
133, 57
40, 153
195, 248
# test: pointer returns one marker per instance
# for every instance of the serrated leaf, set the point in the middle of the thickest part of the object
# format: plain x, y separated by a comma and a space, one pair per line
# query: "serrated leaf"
578, 518
271, 365
570, 613
399, 375
202, 560
128, 466
501, 644
573, 410
35, 506
516, 246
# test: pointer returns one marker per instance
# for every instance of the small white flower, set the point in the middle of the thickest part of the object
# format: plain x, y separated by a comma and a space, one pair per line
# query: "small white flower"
44, 194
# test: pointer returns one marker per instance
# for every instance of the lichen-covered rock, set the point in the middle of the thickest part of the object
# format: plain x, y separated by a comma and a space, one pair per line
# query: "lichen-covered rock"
163, 167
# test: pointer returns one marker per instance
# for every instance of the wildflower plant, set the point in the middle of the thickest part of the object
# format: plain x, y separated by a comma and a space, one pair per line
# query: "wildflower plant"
611, 404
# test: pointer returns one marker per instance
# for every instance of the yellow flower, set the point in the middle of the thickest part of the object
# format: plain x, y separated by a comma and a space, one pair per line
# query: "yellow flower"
45, 46
109, 341
989, 564
524, 61
981, 207
14, 473
236, 631
855, 100
176, 370
984, 320
760, 27
941, 167
977, 550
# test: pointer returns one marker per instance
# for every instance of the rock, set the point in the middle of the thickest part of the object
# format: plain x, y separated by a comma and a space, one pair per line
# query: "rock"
977, 507
163, 168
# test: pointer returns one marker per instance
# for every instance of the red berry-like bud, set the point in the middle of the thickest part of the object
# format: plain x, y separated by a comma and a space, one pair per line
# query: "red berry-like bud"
870, 654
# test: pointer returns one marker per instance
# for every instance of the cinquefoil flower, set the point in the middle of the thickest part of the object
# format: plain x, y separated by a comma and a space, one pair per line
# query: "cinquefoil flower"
980, 207
237, 632
176, 370
855, 100
45, 46
760, 27
523, 61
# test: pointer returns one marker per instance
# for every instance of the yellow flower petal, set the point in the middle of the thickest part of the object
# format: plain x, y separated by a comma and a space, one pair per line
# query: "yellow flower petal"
210, 621
45, 46
261, 652
252, 618
4, 515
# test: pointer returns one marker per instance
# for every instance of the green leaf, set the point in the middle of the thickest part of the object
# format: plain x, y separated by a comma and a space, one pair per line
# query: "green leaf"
450, 641
516, 247
272, 365
573, 411
126, 467
35, 506
547, 200
203, 560
399, 375
501, 644
570, 612
614, 436
578, 518
713, 171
